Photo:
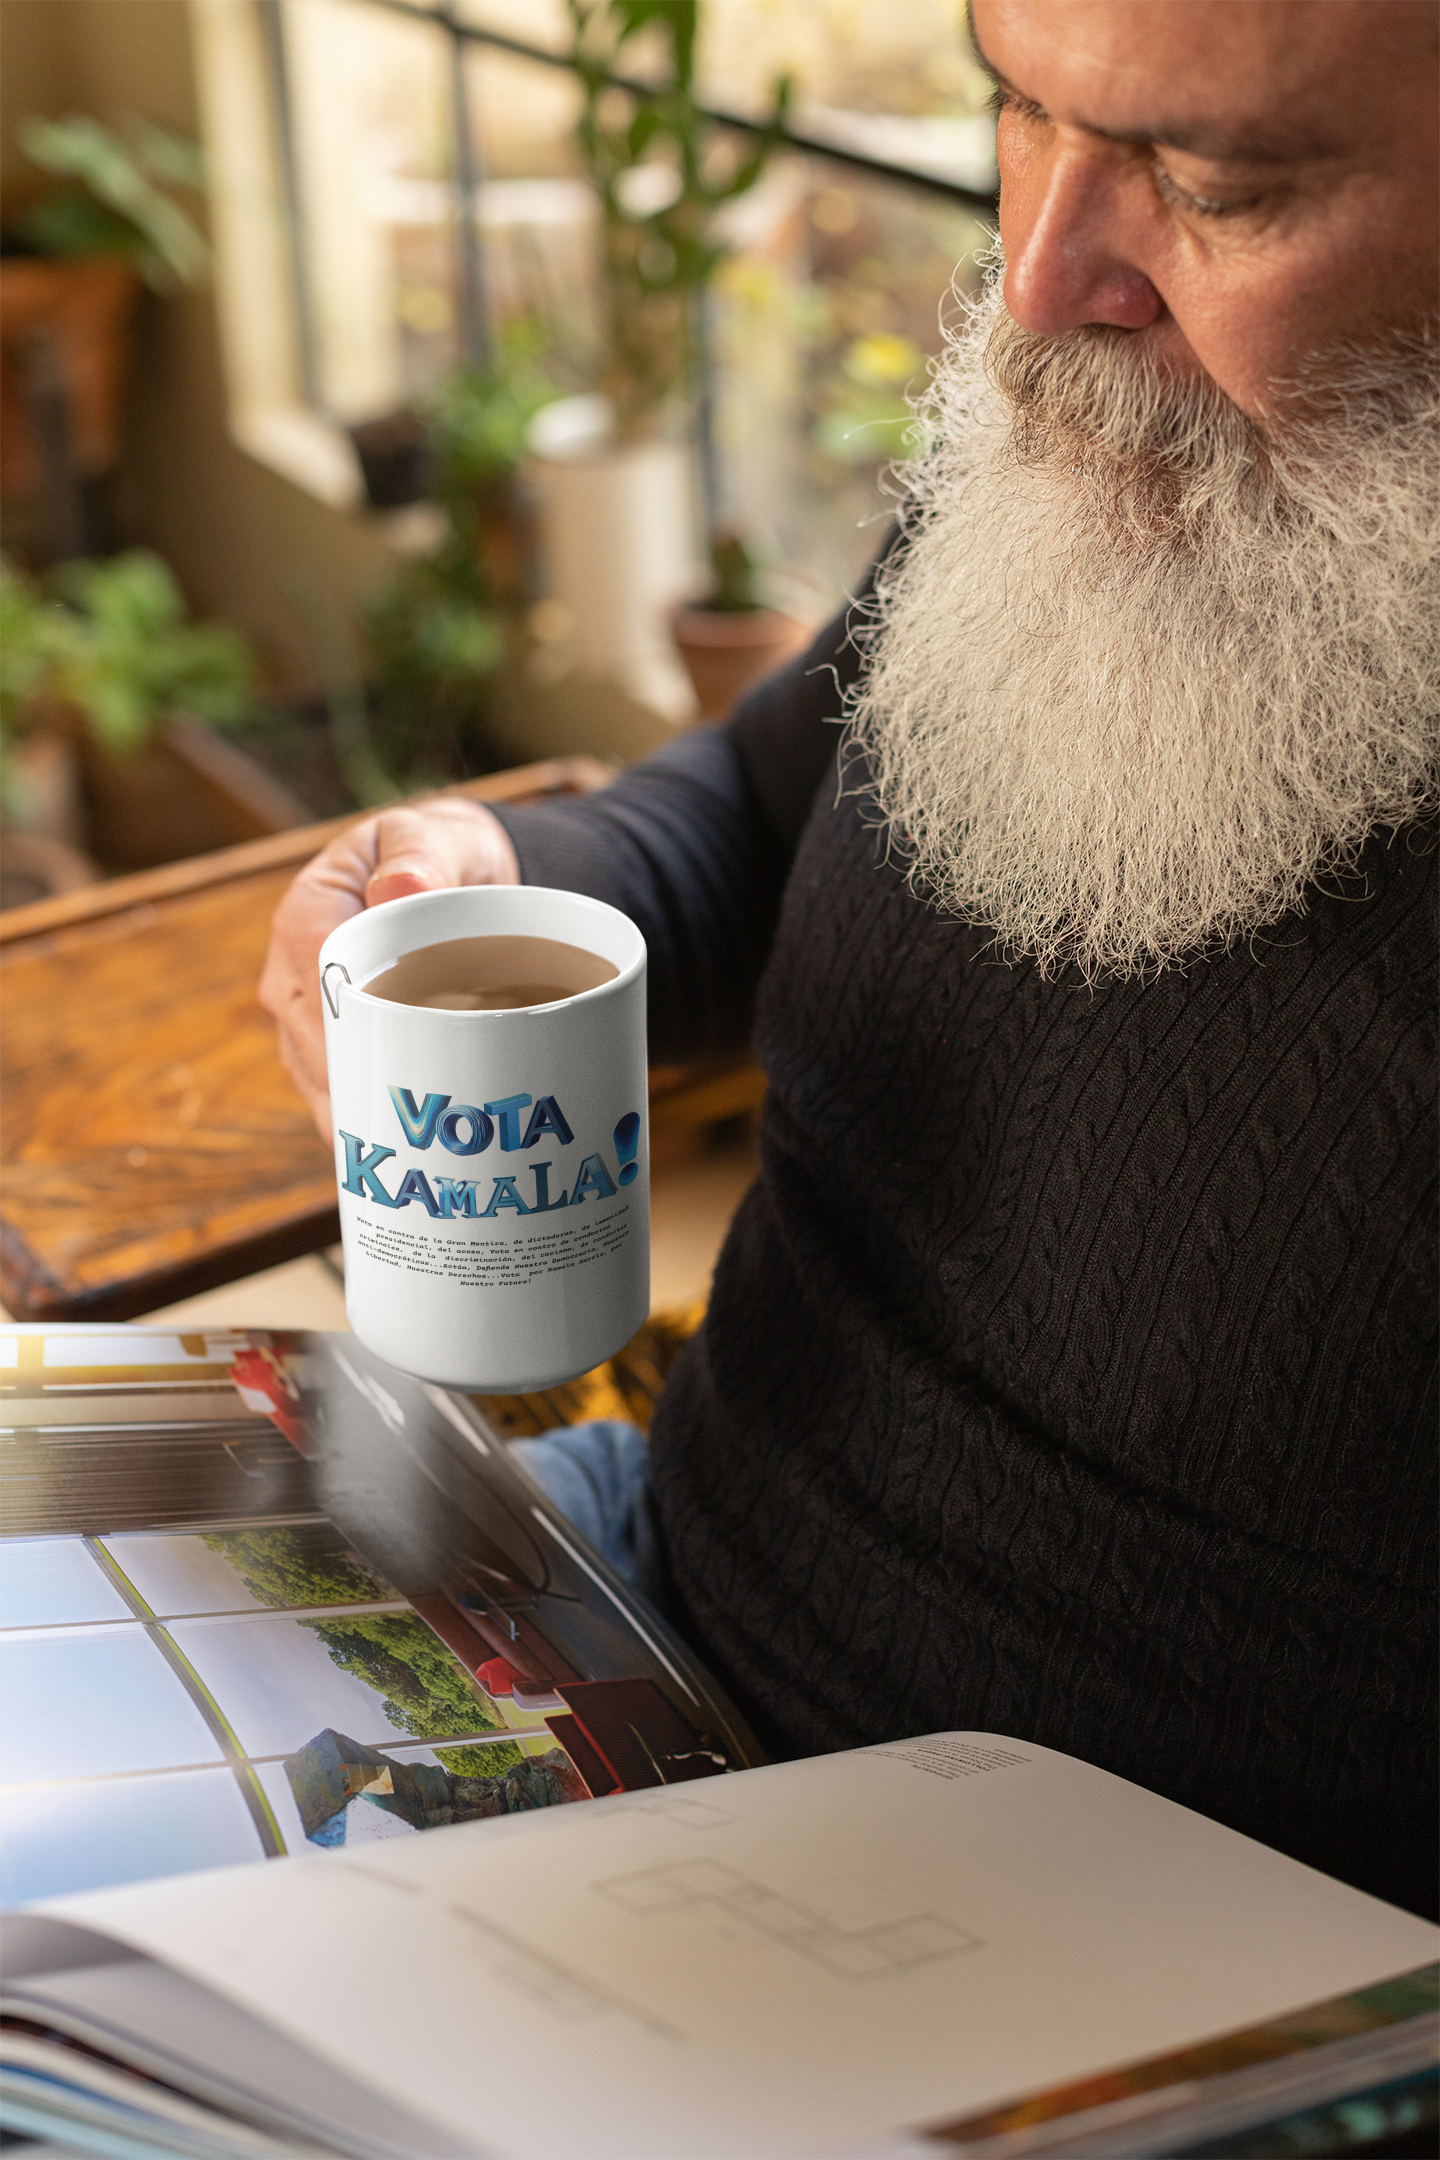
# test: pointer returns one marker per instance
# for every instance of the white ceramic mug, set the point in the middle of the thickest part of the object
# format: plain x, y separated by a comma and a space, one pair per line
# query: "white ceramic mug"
493, 1166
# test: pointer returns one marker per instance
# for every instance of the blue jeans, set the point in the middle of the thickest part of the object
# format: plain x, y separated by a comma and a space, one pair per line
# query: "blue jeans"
598, 1475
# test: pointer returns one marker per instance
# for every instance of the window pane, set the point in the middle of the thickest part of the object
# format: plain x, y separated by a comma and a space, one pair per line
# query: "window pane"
59, 1838
820, 323
899, 83
537, 22
911, 62
45, 1582
830, 305
908, 71
371, 101
537, 216
823, 322
90, 1701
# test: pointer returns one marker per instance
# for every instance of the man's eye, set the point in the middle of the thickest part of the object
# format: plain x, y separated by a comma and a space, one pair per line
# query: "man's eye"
1201, 205
1002, 100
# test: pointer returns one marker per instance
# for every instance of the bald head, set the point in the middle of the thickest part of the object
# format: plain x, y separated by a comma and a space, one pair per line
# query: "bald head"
1243, 185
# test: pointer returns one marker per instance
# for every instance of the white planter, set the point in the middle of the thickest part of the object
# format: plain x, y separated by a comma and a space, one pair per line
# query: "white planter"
619, 547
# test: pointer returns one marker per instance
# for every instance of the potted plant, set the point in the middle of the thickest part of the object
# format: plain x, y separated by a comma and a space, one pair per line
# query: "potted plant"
393, 457
109, 705
75, 260
436, 632
614, 470
729, 636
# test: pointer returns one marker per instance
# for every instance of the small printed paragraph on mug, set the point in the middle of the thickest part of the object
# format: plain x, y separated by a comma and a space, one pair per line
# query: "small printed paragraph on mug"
494, 1263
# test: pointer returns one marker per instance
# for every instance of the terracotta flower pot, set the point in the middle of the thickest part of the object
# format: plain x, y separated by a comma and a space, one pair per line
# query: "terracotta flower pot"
187, 791
725, 652
33, 867
83, 310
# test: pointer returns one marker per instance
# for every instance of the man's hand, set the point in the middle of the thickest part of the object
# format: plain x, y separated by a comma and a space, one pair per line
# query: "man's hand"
422, 847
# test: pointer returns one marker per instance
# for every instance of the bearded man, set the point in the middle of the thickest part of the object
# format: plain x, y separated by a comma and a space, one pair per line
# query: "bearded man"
1070, 1370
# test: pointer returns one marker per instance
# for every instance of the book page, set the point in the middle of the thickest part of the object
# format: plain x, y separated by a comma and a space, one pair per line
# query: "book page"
778, 1962
153, 2019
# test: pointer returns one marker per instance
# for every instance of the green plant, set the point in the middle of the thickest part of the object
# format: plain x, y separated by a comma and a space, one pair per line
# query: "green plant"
477, 427
660, 181
480, 416
433, 646
116, 202
25, 646
435, 632
111, 639
733, 569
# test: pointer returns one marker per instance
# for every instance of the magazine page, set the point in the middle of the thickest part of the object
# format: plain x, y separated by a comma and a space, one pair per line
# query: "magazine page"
260, 1595
91, 2033
785, 1962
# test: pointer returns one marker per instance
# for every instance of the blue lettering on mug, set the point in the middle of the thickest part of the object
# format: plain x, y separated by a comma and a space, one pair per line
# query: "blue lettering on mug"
465, 1130
416, 1186
627, 1141
418, 1125
547, 1116
540, 1171
456, 1197
507, 1111
593, 1178
361, 1170
505, 1195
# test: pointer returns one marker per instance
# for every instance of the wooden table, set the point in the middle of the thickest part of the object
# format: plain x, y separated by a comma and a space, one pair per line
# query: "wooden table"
153, 1144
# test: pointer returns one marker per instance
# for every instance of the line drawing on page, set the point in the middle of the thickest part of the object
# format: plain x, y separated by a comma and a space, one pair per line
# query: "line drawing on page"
554, 1986
852, 1928
685, 1814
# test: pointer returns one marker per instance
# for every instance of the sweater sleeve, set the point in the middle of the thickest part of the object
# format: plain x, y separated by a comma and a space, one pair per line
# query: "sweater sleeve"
695, 842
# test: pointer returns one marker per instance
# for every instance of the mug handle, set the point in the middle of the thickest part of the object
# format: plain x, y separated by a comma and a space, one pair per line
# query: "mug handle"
325, 987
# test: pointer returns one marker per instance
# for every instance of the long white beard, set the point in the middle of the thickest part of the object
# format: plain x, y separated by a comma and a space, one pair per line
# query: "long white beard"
1145, 670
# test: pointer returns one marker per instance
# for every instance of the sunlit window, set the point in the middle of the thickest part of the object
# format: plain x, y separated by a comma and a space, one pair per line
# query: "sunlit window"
439, 212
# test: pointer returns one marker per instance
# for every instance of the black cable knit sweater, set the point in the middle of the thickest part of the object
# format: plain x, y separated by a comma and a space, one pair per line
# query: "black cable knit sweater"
1070, 1371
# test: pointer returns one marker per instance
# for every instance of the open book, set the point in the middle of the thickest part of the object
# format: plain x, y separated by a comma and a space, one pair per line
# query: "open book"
265, 1597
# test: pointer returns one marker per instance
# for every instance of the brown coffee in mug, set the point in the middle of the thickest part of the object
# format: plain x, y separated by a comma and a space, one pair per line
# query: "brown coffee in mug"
490, 974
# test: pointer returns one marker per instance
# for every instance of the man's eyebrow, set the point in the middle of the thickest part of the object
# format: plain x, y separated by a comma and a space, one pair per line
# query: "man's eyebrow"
1252, 146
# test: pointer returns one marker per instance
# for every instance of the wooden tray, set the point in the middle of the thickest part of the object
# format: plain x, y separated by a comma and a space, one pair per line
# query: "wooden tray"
153, 1144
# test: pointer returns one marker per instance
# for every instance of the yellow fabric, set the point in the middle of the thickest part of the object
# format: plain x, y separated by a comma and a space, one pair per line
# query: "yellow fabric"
625, 1386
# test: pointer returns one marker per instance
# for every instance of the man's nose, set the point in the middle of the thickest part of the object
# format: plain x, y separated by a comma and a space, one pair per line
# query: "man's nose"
1069, 224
